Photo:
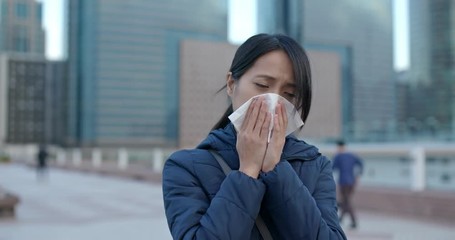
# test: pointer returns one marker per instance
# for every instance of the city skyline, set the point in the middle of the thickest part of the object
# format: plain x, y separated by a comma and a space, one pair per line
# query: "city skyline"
242, 24
123, 67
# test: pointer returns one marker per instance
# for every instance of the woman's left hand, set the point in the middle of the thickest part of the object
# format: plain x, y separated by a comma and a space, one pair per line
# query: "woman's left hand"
277, 140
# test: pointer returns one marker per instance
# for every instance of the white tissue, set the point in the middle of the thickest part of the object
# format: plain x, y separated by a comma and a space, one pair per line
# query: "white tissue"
294, 120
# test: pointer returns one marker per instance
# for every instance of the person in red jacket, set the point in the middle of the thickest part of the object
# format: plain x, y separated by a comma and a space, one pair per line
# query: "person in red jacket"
276, 186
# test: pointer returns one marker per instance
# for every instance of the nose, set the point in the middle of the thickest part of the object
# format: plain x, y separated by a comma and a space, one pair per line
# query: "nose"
275, 90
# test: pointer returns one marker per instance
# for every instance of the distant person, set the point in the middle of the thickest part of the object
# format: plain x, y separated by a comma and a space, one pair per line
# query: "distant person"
254, 180
349, 167
41, 158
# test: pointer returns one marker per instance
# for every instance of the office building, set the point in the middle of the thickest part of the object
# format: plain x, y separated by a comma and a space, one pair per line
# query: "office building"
56, 102
281, 16
124, 67
32, 100
432, 71
362, 32
22, 99
204, 67
20, 27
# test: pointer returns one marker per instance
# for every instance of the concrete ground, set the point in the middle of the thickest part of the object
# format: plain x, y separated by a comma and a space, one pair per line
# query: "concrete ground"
68, 205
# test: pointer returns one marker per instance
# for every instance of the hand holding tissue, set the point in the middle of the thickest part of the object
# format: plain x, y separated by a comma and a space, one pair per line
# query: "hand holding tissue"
294, 120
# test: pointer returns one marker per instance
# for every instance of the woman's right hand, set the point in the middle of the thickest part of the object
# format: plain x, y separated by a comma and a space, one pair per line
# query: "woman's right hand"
252, 137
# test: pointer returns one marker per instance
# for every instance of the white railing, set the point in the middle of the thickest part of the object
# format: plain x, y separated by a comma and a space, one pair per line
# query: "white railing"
404, 164
121, 157
415, 166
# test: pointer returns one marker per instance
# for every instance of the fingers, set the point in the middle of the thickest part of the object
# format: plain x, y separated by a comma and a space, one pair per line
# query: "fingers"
276, 144
257, 120
265, 126
284, 116
279, 123
256, 116
252, 119
248, 114
263, 112
281, 120
251, 145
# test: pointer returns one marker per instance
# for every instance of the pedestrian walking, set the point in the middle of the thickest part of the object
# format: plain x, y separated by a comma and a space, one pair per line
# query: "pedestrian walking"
349, 167
41, 166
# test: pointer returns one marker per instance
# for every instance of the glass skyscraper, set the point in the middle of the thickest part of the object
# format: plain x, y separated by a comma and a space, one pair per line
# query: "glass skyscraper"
362, 32
123, 67
431, 99
282, 16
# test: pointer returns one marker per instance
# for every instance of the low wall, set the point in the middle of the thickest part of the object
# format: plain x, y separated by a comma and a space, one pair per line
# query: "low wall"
427, 204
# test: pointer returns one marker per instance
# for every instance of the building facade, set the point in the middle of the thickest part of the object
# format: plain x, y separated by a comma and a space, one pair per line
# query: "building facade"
32, 100
56, 102
20, 27
432, 70
363, 30
23, 100
124, 67
204, 66
281, 16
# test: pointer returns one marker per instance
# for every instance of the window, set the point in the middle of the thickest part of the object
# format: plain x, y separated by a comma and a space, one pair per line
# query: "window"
21, 41
12, 83
21, 45
4, 10
21, 10
39, 13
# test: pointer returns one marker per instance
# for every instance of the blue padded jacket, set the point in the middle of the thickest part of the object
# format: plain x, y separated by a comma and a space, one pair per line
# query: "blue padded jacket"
297, 200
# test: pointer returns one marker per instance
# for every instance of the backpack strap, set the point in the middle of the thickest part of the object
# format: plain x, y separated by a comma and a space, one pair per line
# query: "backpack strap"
260, 224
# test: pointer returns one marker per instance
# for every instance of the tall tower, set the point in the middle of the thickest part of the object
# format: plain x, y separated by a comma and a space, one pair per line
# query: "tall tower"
432, 49
20, 27
124, 67
362, 32
22, 73
281, 16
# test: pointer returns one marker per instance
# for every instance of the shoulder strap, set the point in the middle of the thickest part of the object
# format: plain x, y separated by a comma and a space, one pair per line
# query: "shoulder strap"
220, 160
260, 224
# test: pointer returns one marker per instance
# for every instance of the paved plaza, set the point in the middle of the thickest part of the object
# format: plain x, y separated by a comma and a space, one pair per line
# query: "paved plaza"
70, 205
74, 206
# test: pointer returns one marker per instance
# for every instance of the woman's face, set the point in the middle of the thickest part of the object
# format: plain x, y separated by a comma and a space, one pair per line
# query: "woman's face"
271, 73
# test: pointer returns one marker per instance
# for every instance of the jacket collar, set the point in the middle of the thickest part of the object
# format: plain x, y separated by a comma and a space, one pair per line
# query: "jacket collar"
223, 141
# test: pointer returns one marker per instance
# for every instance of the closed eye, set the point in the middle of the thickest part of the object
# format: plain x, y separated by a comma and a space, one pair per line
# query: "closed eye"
290, 95
261, 85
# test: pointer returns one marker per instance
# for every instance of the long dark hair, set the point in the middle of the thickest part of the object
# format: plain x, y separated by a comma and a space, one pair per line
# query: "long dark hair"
260, 44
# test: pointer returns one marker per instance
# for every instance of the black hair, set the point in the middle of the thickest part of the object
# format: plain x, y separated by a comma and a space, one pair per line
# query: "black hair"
260, 44
341, 143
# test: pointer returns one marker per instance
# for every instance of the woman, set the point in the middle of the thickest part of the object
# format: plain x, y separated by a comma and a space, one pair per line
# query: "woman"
284, 181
